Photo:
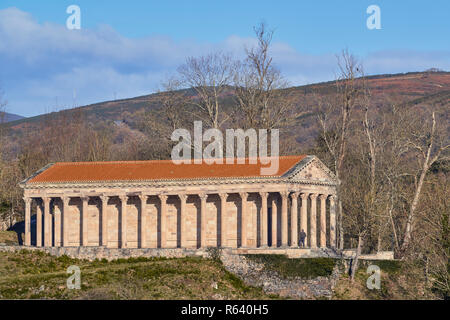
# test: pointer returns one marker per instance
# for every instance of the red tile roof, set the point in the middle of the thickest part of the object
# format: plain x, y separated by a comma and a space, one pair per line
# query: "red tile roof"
153, 170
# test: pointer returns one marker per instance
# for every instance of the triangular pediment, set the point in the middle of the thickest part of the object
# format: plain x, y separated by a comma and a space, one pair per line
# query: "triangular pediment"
312, 169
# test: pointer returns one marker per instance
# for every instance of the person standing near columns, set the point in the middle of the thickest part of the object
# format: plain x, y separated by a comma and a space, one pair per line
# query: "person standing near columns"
313, 222
304, 214
264, 231
27, 239
323, 221
244, 217
183, 198
294, 220
223, 220
123, 218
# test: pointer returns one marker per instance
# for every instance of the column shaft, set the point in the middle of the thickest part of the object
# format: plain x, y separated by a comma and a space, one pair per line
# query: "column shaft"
264, 231
333, 221
104, 236
143, 221
274, 224
27, 221
313, 235
294, 220
57, 217
84, 221
163, 199
223, 220
39, 225
123, 218
65, 222
183, 198
244, 218
47, 223
203, 198
323, 221
304, 215
284, 218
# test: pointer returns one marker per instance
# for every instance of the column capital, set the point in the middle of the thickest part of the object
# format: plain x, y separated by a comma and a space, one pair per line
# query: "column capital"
332, 197
104, 198
84, 198
183, 197
284, 194
46, 200
65, 199
143, 197
313, 196
304, 196
264, 195
123, 197
244, 195
162, 197
27, 200
294, 195
203, 196
323, 197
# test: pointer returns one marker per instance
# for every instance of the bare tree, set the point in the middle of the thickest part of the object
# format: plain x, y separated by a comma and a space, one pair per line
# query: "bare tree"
336, 115
210, 77
259, 86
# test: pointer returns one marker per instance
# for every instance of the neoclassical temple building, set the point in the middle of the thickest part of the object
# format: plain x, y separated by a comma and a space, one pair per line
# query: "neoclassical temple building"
159, 204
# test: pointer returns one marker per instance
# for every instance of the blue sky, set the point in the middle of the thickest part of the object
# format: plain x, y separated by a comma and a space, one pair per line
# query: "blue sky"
125, 48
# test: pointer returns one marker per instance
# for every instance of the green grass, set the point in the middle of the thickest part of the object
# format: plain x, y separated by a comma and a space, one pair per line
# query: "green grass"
291, 268
37, 275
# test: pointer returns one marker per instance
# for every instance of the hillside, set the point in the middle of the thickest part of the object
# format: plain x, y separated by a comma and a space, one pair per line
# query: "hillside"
408, 89
9, 117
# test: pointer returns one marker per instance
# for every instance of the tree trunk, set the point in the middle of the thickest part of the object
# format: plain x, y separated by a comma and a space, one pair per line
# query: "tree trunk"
356, 259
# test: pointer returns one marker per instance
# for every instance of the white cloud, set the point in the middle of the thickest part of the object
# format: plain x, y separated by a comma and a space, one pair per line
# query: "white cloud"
40, 63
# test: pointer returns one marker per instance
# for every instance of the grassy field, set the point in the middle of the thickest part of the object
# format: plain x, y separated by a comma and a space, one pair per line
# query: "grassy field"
36, 275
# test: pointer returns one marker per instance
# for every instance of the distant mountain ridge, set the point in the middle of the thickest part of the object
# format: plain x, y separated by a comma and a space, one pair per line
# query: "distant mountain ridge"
9, 117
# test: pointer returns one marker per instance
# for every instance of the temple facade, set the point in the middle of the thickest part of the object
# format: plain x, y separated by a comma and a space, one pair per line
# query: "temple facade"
159, 204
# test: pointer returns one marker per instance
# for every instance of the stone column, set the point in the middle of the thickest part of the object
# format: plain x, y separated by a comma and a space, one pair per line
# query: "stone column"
123, 219
304, 214
39, 239
27, 220
84, 221
47, 222
203, 198
333, 221
313, 235
143, 240
57, 217
223, 221
264, 232
104, 200
294, 220
65, 221
323, 221
183, 198
163, 199
284, 218
274, 224
244, 222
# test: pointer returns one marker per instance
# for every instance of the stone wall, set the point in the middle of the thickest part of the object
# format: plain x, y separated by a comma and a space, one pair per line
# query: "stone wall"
253, 274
